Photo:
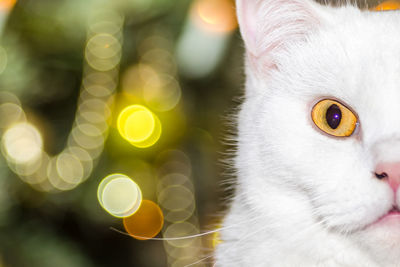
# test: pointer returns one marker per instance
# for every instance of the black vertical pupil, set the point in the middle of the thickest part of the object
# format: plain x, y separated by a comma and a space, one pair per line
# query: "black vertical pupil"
333, 116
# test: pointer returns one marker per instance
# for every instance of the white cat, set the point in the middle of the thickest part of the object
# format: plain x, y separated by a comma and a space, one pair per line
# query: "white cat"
318, 160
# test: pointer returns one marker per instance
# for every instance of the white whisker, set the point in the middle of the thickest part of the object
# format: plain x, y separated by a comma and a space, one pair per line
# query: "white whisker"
184, 237
203, 259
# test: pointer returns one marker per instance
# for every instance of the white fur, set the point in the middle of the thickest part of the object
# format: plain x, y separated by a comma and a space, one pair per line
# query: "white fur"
304, 198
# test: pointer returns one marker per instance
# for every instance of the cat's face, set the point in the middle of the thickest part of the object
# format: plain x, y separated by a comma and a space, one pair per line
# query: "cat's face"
299, 53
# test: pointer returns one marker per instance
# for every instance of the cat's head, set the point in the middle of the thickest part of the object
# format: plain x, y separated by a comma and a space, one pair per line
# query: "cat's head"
321, 119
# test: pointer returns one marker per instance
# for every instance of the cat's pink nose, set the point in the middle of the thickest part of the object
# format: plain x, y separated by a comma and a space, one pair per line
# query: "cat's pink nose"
390, 171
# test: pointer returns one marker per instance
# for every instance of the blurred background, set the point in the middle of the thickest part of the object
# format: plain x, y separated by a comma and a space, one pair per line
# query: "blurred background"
116, 123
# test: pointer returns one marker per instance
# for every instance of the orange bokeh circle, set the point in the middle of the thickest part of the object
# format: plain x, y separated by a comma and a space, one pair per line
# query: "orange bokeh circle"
388, 5
7, 4
215, 15
145, 223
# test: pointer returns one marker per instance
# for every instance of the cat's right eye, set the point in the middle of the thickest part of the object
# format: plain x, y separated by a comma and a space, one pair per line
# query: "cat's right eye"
334, 118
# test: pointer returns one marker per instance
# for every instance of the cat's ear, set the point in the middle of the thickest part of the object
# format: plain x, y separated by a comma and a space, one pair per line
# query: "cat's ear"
269, 24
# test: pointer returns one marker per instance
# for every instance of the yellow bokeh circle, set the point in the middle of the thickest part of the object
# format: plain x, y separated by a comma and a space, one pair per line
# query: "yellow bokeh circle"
139, 126
119, 195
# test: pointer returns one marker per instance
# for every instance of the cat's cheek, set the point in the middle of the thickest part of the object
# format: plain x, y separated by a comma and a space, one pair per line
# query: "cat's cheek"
339, 180
382, 242
352, 214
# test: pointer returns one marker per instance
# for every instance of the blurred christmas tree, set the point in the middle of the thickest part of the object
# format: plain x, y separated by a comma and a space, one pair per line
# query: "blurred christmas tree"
131, 90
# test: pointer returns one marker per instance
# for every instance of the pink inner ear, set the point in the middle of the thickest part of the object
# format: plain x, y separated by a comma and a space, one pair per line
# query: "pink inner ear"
246, 13
268, 24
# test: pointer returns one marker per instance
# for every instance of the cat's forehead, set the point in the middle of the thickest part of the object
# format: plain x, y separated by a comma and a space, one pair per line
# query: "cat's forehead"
358, 55
375, 33
367, 50
368, 54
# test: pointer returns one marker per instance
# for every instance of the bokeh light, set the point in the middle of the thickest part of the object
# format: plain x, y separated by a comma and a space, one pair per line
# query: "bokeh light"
181, 229
10, 113
69, 168
175, 194
176, 197
37, 175
160, 59
119, 195
7, 4
99, 84
106, 21
146, 223
139, 126
56, 181
203, 42
88, 136
186, 255
22, 143
152, 82
26, 168
103, 52
215, 15
387, 5
135, 77
162, 92
85, 159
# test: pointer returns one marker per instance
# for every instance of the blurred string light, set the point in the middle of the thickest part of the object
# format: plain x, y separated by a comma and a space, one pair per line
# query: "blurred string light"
176, 198
153, 87
139, 126
162, 92
205, 37
388, 5
22, 143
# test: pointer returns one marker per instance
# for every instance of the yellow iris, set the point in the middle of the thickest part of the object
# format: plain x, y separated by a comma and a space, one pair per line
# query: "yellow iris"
334, 118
